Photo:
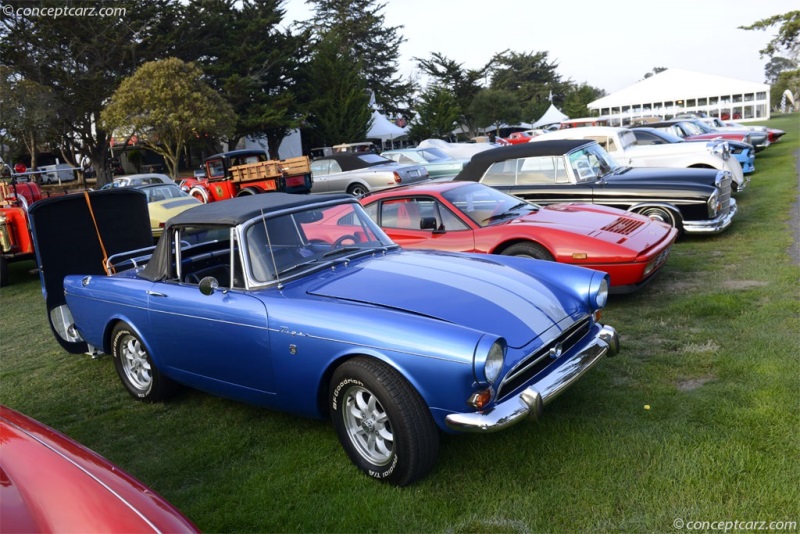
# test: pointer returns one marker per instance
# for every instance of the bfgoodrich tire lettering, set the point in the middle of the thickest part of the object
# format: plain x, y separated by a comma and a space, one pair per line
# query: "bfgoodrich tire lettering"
135, 367
382, 422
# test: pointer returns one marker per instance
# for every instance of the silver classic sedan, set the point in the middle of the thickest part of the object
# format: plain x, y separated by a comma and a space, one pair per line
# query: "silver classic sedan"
360, 173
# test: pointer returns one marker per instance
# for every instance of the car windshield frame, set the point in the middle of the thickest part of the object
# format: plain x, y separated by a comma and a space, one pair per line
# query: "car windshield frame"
287, 245
594, 157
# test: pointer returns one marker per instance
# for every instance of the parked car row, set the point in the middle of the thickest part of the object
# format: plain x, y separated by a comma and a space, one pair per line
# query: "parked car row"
413, 293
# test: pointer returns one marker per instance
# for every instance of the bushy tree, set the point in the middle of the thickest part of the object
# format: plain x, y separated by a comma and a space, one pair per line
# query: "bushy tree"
165, 103
530, 77
787, 42
493, 107
252, 62
338, 108
577, 98
359, 26
437, 114
82, 60
462, 83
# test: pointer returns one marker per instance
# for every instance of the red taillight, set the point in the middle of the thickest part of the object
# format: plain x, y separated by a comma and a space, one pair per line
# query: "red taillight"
397, 178
19, 168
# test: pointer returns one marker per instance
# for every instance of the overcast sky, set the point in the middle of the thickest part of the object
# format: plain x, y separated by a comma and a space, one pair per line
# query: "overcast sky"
608, 44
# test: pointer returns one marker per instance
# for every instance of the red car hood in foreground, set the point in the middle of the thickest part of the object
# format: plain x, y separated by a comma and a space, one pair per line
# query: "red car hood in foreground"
50, 483
628, 230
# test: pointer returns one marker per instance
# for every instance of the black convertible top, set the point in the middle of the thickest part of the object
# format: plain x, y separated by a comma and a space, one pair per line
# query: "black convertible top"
240, 209
350, 161
475, 169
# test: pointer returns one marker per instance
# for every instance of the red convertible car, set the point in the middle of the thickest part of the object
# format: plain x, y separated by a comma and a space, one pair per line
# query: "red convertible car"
472, 217
50, 483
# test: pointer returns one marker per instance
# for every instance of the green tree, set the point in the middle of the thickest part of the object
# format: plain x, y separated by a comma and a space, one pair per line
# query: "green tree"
463, 83
165, 103
82, 60
577, 97
437, 114
530, 77
249, 60
338, 109
359, 26
495, 107
788, 79
787, 42
775, 66
26, 112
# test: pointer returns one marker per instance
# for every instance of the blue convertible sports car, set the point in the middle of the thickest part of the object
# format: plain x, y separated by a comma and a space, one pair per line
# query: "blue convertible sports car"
301, 303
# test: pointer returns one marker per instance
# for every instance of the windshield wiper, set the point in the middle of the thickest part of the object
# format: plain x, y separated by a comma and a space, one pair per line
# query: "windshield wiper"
508, 213
342, 249
297, 266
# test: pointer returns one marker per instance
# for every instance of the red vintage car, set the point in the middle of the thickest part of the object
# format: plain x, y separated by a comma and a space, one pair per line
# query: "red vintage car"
50, 483
516, 138
472, 217
17, 192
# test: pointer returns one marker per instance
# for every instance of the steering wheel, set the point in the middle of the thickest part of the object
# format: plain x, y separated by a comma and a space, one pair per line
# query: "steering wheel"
340, 242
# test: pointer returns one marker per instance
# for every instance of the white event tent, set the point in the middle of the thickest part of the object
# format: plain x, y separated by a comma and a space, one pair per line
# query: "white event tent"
384, 129
551, 116
676, 91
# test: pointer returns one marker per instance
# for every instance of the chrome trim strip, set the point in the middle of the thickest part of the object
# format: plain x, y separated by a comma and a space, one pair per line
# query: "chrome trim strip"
531, 400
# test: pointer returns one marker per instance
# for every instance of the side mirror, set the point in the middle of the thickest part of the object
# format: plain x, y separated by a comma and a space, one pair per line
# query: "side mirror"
208, 285
429, 223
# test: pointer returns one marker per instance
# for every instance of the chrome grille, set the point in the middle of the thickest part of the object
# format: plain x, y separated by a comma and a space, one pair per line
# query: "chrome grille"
725, 194
540, 359
623, 225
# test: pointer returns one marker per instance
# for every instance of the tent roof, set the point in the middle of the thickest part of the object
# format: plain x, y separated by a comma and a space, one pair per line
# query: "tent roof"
551, 116
383, 129
676, 84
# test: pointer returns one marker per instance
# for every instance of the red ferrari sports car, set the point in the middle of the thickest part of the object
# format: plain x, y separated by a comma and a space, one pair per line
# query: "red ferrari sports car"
50, 483
471, 217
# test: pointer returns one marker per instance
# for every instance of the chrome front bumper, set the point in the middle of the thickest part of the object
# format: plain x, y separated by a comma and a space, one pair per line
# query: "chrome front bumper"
712, 226
531, 400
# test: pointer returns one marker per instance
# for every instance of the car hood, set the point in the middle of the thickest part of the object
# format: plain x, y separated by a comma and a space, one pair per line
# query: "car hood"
608, 224
162, 210
661, 176
474, 291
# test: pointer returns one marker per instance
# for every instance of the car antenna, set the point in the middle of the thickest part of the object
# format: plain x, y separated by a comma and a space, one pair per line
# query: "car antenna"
271, 253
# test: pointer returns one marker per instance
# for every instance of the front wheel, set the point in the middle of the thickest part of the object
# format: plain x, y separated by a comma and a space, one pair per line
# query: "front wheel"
528, 250
135, 367
382, 422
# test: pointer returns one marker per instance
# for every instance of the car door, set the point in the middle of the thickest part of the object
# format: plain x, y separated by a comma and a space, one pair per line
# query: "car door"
401, 220
324, 172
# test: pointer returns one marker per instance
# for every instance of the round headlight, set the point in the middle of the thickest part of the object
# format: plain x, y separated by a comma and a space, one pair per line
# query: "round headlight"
598, 293
494, 362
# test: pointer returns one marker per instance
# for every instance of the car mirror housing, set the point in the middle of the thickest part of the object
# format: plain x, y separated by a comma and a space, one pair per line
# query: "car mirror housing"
208, 285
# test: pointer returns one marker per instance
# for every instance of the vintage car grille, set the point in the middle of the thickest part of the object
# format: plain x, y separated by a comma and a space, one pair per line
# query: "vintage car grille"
725, 194
540, 359
623, 225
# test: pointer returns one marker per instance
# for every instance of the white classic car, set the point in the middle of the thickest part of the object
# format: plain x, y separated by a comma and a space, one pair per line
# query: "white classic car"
622, 145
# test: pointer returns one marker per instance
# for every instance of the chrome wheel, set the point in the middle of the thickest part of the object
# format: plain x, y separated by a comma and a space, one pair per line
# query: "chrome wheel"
357, 190
134, 362
368, 426
659, 214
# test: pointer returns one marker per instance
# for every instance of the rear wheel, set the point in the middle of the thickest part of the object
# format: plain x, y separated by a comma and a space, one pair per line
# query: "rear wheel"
247, 191
528, 250
200, 194
135, 367
382, 422
357, 190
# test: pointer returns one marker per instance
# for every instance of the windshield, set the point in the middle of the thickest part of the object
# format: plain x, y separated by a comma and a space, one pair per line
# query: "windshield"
291, 244
485, 205
591, 162
433, 155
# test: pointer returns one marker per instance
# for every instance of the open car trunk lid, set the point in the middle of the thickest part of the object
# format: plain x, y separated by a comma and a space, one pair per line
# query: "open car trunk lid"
68, 242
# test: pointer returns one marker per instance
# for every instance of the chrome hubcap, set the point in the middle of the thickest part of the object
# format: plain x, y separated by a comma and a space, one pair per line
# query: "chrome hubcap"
135, 364
368, 426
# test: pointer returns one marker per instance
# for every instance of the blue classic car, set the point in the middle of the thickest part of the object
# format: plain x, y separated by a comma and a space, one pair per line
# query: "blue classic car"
301, 303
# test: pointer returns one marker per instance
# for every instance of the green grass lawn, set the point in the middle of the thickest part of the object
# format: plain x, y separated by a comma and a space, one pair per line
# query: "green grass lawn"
710, 347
